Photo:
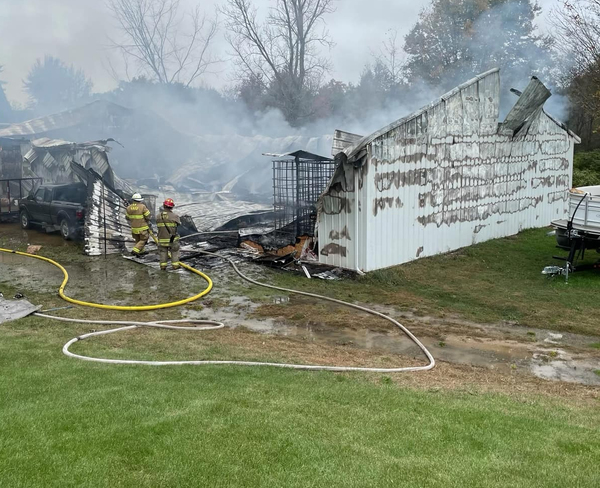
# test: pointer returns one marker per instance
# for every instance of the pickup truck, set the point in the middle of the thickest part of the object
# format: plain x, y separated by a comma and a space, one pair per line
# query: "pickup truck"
56, 207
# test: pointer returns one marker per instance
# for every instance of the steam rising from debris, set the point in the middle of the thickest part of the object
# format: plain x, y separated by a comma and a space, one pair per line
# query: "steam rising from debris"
492, 29
169, 128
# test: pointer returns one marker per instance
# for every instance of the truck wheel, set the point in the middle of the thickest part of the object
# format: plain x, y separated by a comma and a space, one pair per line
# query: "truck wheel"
25, 222
65, 229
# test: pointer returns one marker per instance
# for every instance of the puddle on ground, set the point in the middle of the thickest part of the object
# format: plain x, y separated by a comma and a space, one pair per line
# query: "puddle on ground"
110, 279
456, 350
36, 237
561, 365
537, 357
572, 371
235, 318
113, 279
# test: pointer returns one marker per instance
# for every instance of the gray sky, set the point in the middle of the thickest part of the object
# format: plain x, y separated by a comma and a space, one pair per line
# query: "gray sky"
76, 31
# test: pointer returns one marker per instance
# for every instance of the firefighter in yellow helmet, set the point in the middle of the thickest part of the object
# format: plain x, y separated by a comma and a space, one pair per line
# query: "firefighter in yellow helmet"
138, 216
168, 239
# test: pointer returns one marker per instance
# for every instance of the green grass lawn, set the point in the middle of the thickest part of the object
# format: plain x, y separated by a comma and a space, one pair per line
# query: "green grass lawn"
71, 423
498, 280
66, 422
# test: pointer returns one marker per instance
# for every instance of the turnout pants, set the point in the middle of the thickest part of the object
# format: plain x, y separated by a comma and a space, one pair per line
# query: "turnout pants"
140, 241
163, 252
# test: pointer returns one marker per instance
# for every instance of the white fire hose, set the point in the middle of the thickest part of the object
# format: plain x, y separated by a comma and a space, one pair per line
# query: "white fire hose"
211, 325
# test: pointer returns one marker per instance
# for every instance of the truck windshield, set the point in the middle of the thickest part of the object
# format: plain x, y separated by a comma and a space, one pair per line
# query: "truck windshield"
72, 194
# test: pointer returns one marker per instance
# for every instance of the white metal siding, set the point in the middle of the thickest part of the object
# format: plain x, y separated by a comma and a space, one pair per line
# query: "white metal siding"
448, 178
337, 230
585, 209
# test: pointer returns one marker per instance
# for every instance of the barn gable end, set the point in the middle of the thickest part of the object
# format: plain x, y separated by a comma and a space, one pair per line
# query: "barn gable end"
446, 177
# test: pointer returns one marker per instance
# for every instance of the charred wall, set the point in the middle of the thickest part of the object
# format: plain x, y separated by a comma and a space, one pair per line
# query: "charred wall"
448, 178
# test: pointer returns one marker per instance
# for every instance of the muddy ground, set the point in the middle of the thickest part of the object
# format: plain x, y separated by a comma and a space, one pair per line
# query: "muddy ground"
499, 357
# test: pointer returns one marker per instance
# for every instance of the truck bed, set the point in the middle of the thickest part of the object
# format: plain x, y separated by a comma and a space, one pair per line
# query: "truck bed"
584, 210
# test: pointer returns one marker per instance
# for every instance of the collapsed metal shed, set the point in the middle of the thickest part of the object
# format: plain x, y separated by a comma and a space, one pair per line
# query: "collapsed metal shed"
446, 177
51, 160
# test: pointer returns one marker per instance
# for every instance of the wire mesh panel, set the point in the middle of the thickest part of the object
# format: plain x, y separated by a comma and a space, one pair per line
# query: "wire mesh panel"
297, 185
284, 198
13, 190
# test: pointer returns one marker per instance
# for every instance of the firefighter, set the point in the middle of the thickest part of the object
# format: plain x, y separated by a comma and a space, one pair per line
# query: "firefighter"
138, 216
168, 239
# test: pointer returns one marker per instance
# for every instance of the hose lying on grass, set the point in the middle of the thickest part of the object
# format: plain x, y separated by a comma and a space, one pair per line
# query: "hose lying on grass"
211, 325
141, 308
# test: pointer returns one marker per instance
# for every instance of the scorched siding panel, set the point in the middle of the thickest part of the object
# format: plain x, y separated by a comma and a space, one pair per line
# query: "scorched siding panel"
450, 177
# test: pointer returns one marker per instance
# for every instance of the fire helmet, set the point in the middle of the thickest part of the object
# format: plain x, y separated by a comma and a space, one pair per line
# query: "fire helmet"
136, 197
169, 203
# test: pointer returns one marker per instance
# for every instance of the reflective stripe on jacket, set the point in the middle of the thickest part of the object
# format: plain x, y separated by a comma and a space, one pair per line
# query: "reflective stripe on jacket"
138, 216
167, 222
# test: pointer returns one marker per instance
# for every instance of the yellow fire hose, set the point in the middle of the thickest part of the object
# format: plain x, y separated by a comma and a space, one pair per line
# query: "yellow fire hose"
61, 290
209, 324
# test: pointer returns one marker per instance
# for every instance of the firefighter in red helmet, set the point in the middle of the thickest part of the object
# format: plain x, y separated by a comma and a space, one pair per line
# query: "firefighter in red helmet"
168, 239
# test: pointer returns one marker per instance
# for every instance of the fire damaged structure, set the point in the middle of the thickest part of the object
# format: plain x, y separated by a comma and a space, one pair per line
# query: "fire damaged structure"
446, 177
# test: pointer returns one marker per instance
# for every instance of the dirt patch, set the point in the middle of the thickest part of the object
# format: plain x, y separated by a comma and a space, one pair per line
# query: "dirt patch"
503, 348
300, 329
241, 344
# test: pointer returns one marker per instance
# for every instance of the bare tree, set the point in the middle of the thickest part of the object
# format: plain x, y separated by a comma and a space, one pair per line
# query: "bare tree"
577, 25
391, 56
283, 51
162, 43
577, 30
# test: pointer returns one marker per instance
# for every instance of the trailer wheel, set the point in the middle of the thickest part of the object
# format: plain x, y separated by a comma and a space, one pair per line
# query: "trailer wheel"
65, 229
24, 218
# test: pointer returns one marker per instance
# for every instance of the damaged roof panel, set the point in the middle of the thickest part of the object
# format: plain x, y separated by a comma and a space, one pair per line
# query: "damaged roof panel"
353, 151
342, 140
531, 100
66, 119
51, 159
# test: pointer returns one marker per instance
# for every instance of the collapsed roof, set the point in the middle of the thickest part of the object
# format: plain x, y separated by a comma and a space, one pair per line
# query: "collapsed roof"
236, 163
148, 142
95, 113
151, 147
51, 159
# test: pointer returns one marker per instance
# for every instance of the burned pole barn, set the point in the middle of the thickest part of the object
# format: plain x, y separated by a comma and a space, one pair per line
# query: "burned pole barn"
445, 177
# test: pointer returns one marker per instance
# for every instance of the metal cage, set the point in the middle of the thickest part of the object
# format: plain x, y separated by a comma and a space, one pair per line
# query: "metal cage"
297, 184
